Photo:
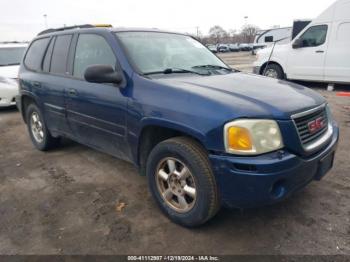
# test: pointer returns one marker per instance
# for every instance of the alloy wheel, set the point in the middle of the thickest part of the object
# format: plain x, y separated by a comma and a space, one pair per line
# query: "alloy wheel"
176, 184
37, 127
271, 73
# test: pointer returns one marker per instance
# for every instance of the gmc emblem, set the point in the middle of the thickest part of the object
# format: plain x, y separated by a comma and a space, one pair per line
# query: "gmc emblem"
316, 125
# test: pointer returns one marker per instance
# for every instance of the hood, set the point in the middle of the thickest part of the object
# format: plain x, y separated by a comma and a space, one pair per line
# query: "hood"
9, 71
249, 95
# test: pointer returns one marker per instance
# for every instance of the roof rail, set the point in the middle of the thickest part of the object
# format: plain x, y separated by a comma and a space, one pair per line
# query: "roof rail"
51, 30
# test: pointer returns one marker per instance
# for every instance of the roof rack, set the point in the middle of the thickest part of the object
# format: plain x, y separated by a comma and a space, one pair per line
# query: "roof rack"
51, 30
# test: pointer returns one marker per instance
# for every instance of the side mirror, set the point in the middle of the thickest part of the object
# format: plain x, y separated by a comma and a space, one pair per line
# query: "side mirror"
298, 43
102, 74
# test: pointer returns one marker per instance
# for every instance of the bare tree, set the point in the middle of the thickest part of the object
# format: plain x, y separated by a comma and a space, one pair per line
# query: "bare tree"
217, 32
249, 32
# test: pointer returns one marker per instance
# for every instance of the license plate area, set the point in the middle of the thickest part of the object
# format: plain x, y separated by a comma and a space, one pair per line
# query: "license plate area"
325, 164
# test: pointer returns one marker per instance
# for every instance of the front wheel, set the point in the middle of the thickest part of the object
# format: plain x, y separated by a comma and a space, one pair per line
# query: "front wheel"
274, 71
182, 182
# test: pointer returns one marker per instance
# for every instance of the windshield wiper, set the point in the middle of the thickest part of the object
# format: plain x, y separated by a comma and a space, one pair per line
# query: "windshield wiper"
212, 67
175, 70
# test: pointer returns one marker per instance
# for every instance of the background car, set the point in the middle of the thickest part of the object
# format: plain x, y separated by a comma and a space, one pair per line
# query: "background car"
212, 48
10, 57
234, 47
245, 47
223, 48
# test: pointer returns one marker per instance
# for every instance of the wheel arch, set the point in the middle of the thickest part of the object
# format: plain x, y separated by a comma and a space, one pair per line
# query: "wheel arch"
154, 131
26, 99
262, 68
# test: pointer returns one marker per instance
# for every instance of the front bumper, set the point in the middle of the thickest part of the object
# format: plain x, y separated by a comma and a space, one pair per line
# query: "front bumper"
8, 92
246, 182
7, 101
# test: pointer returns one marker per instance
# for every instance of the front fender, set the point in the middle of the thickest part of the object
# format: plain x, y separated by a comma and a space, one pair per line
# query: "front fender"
180, 127
134, 137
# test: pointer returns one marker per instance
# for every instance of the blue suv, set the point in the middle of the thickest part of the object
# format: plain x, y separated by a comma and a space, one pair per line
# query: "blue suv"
205, 135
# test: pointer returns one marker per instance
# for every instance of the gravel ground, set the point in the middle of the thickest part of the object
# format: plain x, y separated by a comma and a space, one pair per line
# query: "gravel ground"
74, 200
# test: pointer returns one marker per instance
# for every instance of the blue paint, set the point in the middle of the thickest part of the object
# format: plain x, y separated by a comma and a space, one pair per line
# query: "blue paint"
111, 118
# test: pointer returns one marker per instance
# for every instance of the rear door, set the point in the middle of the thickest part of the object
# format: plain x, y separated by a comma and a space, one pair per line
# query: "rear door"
45, 64
55, 81
307, 62
96, 112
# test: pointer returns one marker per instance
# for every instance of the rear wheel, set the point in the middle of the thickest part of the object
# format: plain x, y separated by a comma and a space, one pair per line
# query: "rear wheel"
39, 134
181, 181
274, 71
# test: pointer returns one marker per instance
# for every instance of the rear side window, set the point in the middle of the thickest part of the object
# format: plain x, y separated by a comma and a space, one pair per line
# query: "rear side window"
47, 58
35, 54
314, 36
268, 39
60, 54
91, 50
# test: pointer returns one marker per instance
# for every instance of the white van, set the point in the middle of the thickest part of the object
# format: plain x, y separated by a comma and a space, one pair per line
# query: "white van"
10, 57
320, 52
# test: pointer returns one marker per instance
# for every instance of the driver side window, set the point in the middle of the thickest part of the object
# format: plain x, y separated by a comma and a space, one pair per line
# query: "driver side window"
314, 36
91, 50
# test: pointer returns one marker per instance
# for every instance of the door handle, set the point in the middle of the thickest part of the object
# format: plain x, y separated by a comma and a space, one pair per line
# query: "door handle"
319, 51
72, 92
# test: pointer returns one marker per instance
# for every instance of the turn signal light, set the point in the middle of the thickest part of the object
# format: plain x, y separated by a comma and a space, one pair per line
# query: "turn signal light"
239, 138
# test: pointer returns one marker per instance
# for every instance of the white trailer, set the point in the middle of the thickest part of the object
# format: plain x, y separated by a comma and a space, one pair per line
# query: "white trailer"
271, 35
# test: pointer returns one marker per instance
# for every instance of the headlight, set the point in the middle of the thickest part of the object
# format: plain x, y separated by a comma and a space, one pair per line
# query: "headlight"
252, 136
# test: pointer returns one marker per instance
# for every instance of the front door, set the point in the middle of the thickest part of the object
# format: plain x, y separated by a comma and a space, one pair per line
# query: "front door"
307, 61
96, 112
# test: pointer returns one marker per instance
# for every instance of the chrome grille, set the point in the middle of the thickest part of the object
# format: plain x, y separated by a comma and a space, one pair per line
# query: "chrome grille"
302, 124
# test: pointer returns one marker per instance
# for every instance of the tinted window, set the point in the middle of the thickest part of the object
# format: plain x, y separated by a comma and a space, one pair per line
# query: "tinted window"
92, 49
47, 58
35, 54
314, 36
11, 55
60, 54
268, 39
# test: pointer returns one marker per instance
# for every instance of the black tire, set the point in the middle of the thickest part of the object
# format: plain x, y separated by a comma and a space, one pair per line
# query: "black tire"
48, 141
275, 68
192, 154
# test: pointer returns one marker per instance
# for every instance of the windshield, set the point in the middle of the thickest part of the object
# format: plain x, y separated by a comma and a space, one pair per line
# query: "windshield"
11, 55
157, 52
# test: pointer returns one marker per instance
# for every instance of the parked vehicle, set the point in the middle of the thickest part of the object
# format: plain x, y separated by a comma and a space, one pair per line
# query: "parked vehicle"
212, 48
10, 57
320, 52
245, 47
204, 134
223, 48
234, 47
271, 35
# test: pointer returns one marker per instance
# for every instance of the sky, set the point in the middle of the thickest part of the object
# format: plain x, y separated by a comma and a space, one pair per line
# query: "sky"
21, 20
